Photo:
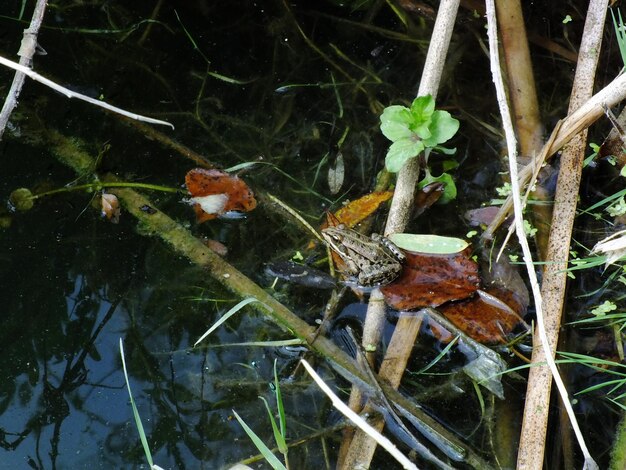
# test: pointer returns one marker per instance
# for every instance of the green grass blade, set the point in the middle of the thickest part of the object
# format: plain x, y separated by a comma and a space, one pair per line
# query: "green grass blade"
265, 451
279, 404
142, 433
225, 317
620, 34
439, 356
278, 437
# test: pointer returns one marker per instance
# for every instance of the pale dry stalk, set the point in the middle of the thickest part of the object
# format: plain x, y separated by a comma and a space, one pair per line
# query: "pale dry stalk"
528, 462
523, 95
535, 423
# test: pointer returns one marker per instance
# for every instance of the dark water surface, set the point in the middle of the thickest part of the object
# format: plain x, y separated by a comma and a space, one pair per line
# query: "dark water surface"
73, 284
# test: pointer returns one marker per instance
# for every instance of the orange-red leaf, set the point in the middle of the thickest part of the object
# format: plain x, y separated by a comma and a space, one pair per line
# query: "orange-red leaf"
216, 192
358, 210
430, 280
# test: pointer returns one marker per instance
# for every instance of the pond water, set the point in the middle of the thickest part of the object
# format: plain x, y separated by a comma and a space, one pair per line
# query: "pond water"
241, 83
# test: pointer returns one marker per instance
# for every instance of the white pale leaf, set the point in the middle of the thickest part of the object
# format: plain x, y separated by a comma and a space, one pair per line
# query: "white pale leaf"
211, 204
434, 244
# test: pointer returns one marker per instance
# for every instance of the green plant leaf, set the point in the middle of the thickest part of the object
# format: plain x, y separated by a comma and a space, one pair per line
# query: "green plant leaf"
395, 123
423, 131
449, 188
401, 151
442, 127
279, 404
422, 109
445, 150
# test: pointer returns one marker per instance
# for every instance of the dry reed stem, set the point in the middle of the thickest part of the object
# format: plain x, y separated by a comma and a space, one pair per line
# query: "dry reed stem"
405, 334
523, 95
530, 461
535, 422
520, 79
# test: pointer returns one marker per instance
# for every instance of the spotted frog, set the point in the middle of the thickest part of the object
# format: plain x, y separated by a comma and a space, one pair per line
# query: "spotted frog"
372, 261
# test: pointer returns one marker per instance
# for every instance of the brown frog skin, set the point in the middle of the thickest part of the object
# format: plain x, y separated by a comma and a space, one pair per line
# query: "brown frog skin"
372, 261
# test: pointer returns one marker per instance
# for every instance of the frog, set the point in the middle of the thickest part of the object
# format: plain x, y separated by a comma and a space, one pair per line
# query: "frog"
372, 261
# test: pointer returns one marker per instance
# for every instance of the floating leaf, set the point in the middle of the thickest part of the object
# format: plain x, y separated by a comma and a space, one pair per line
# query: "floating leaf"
216, 192
22, 199
489, 317
430, 280
433, 244
110, 207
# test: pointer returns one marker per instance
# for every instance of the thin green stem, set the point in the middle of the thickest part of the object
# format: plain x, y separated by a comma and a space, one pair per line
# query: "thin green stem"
100, 185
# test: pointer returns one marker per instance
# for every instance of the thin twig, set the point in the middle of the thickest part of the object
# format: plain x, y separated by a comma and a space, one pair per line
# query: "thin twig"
26, 53
519, 226
72, 94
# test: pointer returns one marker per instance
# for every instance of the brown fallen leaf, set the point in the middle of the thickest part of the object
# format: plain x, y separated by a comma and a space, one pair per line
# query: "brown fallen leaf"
215, 192
427, 196
430, 280
486, 317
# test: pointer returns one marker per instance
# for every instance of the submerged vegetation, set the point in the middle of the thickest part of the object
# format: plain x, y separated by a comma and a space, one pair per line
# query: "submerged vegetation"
298, 123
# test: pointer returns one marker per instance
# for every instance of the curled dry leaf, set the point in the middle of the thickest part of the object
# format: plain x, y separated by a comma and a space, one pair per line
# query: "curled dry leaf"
215, 192
336, 174
110, 207
430, 280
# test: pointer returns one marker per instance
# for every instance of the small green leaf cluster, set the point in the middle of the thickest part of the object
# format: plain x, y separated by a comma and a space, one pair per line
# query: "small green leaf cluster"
420, 128
414, 129
604, 308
